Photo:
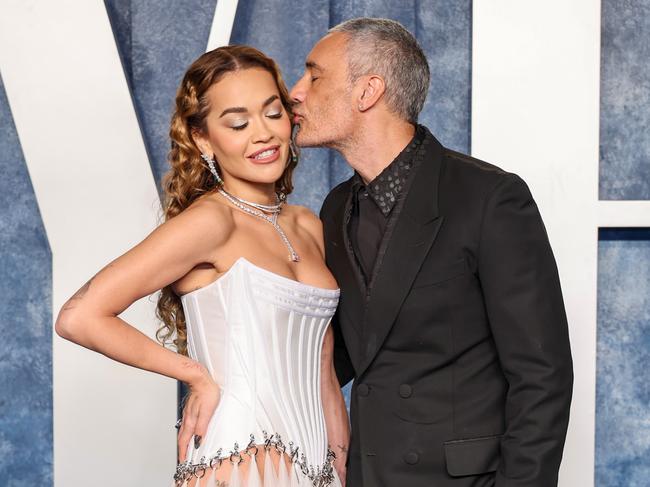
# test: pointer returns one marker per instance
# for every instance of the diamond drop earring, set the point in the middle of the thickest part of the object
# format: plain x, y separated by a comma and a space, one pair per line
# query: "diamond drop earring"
293, 152
210, 161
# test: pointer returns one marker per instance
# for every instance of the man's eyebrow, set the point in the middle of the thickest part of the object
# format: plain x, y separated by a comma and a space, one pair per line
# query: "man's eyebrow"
267, 102
313, 65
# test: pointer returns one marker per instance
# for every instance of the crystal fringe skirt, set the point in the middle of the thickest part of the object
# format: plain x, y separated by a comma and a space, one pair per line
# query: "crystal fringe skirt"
292, 468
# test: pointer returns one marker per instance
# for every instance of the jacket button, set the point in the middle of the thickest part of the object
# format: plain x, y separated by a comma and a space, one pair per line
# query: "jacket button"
363, 390
405, 391
411, 458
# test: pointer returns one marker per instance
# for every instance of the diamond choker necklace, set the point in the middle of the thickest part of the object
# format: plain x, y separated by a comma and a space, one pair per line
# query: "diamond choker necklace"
274, 209
258, 210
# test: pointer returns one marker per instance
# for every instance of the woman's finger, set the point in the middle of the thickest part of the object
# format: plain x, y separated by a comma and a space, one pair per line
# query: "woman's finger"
179, 435
197, 413
187, 430
202, 421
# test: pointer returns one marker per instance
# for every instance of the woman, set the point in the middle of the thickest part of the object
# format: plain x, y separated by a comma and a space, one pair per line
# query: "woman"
245, 293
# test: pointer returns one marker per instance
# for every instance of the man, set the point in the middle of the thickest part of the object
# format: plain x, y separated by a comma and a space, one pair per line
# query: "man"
451, 319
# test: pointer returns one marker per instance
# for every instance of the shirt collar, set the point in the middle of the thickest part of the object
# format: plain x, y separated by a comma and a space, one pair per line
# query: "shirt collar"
387, 187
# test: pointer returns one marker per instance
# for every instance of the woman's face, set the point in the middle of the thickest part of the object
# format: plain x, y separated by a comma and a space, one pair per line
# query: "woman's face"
248, 129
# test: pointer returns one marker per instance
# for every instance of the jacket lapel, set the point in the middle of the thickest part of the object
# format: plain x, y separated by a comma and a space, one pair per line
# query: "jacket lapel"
342, 262
411, 238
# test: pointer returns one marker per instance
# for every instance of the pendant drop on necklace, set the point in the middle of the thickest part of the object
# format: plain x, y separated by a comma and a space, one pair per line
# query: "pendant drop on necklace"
254, 210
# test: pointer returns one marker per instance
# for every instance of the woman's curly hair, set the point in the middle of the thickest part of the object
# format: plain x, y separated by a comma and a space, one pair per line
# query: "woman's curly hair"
189, 177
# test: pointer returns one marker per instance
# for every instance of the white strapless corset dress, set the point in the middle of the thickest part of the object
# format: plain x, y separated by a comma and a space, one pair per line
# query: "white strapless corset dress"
260, 336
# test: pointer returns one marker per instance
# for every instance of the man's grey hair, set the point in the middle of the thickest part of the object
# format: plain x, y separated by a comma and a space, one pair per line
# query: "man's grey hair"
384, 47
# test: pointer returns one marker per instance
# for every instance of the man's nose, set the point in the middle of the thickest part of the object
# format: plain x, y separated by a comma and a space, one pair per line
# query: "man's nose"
297, 93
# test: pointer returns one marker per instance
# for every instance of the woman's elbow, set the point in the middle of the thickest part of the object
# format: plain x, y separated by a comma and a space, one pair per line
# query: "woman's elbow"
68, 323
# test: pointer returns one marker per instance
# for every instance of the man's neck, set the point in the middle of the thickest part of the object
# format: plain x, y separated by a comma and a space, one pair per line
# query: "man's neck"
376, 145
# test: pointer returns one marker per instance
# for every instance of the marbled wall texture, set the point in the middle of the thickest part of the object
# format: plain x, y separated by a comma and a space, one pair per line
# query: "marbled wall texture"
623, 358
623, 354
25, 321
157, 43
625, 100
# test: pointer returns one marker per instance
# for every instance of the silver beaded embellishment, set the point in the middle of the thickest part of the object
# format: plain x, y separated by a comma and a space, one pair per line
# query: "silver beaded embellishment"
273, 219
319, 475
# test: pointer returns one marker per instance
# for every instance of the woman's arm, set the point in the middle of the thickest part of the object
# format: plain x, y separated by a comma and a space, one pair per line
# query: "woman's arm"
90, 317
336, 414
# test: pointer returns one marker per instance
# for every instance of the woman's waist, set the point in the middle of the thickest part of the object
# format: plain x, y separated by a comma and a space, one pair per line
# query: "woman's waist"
238, 425
296, 388
266, 409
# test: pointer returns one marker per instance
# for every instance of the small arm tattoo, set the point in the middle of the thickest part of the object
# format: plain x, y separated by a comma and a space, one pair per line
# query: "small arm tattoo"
78, 295
81, 292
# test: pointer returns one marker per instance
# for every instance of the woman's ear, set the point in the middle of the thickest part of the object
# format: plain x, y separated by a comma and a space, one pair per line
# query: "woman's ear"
201, 141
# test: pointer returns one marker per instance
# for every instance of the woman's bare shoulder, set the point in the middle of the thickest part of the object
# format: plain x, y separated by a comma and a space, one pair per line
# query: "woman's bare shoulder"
206, 218
303, 216
307, 221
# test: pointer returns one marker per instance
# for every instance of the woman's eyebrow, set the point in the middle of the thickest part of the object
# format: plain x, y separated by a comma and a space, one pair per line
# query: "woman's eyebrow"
267, 102
270, 100
233, 110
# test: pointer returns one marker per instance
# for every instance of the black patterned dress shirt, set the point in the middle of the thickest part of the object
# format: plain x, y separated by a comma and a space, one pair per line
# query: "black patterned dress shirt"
373, 204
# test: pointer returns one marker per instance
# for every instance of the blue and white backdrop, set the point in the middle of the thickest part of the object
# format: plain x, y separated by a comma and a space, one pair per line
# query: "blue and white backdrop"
557, 91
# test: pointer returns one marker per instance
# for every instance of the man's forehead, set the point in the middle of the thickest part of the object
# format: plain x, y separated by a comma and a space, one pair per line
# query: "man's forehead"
326, 51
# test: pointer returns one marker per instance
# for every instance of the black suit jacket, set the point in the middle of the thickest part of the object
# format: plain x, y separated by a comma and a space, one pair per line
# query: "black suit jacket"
460, 350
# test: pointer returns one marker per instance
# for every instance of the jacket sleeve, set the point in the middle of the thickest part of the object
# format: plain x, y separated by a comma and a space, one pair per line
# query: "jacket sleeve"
523, 299
342, 362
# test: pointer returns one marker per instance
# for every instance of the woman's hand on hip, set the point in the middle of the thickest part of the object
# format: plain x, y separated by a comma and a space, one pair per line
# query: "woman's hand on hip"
200, 405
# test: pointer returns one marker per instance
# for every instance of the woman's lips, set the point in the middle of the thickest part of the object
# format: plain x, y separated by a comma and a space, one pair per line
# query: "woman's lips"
266, 156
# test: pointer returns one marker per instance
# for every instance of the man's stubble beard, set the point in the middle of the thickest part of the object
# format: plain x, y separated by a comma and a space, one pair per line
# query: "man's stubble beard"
335, 138
315, 139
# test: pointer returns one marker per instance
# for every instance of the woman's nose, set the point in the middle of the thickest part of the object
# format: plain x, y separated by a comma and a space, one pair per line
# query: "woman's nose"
262, 132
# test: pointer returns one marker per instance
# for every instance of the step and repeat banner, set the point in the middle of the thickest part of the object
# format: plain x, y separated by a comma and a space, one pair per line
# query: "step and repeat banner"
556, 91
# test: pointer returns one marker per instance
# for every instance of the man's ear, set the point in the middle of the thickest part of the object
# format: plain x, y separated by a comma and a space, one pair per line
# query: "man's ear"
373, 88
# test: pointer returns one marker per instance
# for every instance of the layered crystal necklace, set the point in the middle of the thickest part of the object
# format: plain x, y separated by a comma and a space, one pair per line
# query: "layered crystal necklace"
260, 211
